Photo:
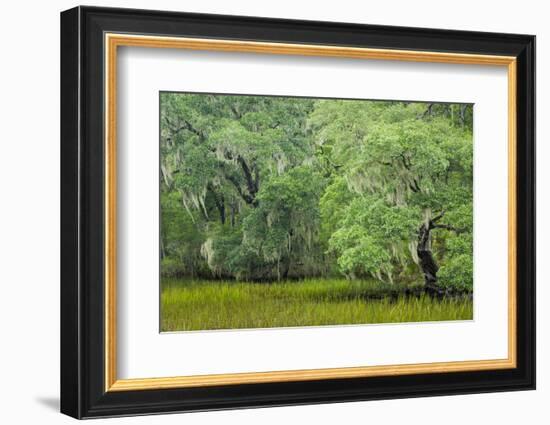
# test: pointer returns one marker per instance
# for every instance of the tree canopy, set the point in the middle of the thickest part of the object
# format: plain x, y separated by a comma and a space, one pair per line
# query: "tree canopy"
265, 188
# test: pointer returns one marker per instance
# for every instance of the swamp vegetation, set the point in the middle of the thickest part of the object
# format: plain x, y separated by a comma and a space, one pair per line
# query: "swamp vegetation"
279, 211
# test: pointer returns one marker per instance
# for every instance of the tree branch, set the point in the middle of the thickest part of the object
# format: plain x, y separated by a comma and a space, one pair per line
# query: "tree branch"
219, 201
438, 217
245, 196
428, 110
235, 112
414, 187
186, 126
250, 181
406, 163
457, 230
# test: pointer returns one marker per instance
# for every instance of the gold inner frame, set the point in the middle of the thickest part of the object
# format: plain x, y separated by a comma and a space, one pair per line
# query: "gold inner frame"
113, 41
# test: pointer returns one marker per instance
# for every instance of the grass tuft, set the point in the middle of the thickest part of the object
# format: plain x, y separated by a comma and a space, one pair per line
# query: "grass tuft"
206, 305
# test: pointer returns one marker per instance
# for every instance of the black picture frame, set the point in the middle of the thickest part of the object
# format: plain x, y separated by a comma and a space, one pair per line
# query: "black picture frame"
83, 392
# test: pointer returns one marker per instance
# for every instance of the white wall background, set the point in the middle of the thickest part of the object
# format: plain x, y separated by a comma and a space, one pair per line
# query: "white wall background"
29, 213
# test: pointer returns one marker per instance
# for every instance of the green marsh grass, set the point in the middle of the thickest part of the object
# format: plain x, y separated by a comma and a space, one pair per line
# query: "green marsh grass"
207, 305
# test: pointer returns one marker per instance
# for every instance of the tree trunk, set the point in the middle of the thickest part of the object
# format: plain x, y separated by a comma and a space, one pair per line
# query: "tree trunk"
427, 262
288, 258
219, 200
232, 214
162, 250
252, 181
221, 208
463, 115
286, 266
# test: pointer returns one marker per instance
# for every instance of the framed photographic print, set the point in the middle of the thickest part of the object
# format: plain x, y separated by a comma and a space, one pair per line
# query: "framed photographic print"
261, 212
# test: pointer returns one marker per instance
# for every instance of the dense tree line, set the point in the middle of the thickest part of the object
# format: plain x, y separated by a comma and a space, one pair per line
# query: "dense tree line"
269, 188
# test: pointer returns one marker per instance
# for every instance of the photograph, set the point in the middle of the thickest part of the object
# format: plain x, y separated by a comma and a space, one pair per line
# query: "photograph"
283, 211
301, 208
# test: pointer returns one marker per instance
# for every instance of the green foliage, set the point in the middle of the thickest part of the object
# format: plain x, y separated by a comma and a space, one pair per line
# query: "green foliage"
261, 188
227, 156
181, 238
372, 235
404, 165
457, 271
173, 268
283, 228
334, 201
224, 252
